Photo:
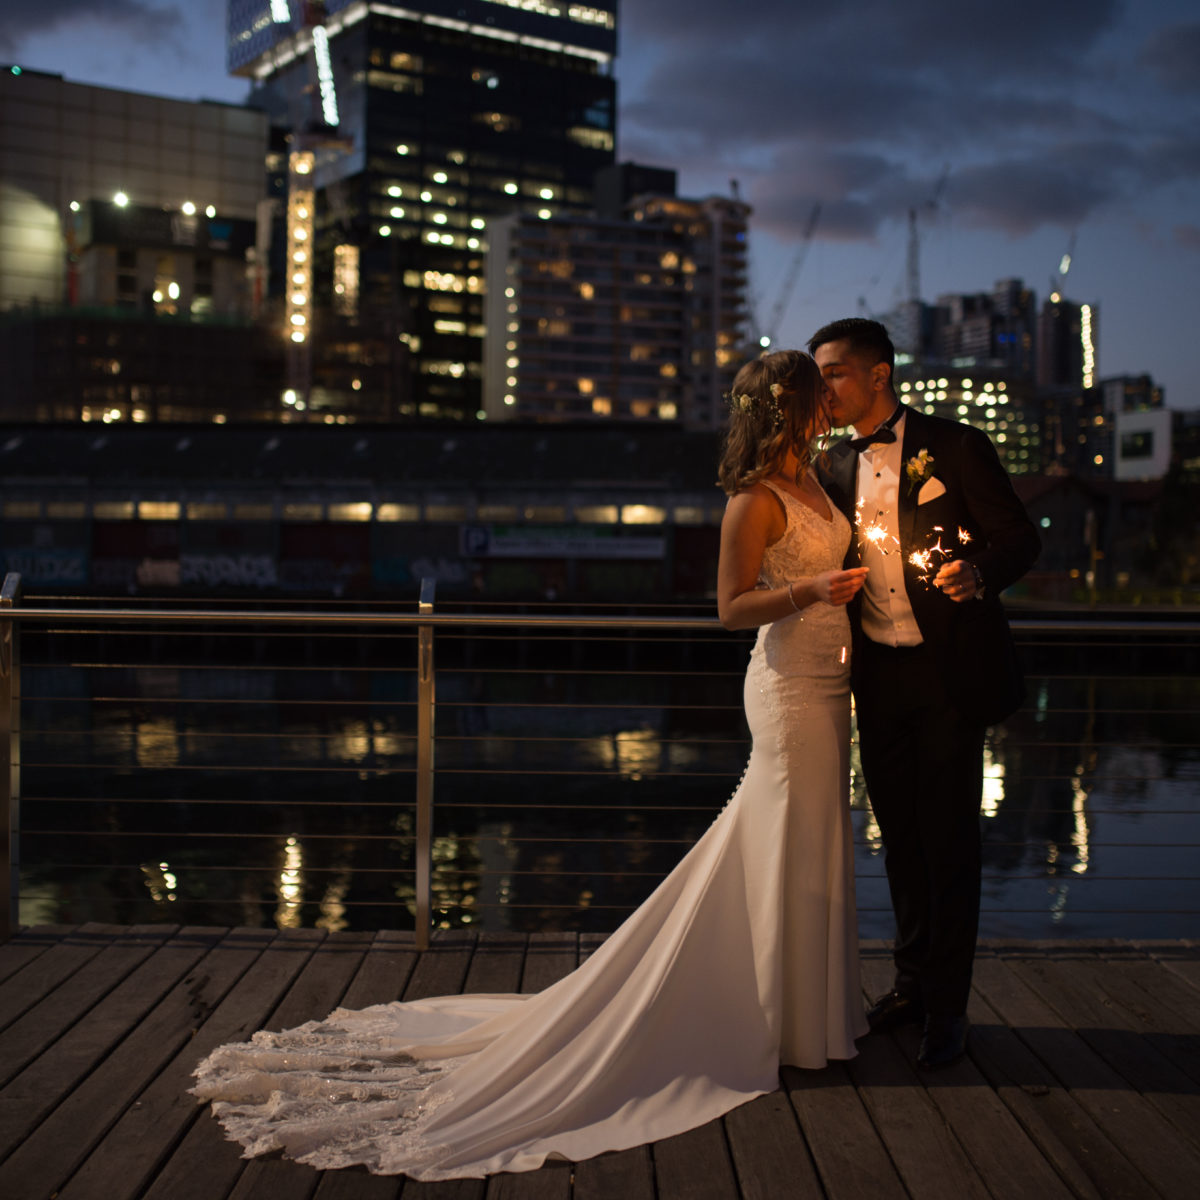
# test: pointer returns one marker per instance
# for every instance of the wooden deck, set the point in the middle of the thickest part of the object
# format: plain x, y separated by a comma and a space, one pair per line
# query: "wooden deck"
1083, 1078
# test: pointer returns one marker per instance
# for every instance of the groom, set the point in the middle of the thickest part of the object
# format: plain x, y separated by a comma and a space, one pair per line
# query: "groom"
933, 660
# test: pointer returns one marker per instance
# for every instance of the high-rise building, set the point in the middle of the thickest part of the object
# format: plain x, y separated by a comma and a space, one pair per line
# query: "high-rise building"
592, 319
412, 128
125, 223
1067, 344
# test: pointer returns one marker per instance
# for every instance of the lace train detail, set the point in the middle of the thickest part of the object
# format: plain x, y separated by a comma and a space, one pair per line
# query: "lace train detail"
332, 1093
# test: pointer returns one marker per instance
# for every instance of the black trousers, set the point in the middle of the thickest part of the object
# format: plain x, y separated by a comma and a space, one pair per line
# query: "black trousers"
923, 763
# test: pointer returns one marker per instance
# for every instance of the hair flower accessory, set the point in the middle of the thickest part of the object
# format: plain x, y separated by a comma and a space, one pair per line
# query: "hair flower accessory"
919, 470
745, 401
777, 390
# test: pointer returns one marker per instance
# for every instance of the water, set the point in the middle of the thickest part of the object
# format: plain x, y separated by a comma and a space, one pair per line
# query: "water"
226, 779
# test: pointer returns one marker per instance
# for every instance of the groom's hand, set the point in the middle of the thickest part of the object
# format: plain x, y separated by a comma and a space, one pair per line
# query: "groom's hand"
957, 580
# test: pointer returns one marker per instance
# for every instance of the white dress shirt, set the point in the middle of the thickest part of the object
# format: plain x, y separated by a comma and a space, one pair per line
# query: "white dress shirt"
887, 616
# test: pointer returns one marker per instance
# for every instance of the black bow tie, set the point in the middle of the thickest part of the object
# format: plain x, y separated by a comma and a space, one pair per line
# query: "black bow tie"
885, 433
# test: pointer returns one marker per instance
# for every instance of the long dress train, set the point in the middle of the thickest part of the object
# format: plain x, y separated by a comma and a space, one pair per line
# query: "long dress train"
745, 957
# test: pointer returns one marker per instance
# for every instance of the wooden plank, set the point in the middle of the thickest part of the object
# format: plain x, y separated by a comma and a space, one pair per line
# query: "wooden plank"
769, 1155
43, 1024
46, 1158
929, 1159
1074, 1145
850, 1158
356, 1183
27, 944
205, 1164
444, 1189
1075, 986
385, 970
275, 1179
1140, 1133
442, 969
549, 958
1180, 958
322, 984
551, 1181
1156, 1005
627, 1174
28, 1098
497, 963
694, 1165
130, 1154
48, 970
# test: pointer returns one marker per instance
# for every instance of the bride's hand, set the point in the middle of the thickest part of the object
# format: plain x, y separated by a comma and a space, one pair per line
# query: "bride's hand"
838, 587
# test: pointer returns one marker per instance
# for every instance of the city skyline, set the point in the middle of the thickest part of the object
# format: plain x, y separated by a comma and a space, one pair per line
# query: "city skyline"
1064, 122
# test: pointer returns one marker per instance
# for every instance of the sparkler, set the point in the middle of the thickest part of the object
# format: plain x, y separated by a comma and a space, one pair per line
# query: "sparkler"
874, 533
929, 560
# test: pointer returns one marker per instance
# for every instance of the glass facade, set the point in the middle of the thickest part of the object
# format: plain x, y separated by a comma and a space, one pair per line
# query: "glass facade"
449, 115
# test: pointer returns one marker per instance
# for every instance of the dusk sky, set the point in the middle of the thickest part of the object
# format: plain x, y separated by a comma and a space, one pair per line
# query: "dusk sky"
1038, 118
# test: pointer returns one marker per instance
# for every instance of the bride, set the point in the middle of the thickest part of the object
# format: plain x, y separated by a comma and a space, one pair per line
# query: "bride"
743, 959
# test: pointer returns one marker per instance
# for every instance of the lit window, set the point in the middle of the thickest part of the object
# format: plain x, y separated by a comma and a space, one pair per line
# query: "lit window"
360, 511
398, 512
642, 514
597, 514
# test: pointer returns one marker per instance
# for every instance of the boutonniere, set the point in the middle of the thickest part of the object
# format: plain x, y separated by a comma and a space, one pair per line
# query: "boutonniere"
919, 470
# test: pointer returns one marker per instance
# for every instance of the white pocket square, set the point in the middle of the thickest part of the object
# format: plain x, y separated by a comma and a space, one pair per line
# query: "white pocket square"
931, 489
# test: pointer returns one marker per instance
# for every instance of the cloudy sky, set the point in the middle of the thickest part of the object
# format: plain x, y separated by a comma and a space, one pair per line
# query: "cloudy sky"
1010, 128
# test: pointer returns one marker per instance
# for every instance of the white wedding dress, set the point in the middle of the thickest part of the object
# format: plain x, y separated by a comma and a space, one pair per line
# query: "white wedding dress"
744, 958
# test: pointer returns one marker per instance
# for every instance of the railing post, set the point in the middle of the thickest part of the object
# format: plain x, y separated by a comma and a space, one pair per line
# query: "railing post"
425, 713
10, 756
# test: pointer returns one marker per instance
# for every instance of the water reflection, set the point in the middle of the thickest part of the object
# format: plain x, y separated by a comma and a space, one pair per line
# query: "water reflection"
161, 881
290, 886
559, 814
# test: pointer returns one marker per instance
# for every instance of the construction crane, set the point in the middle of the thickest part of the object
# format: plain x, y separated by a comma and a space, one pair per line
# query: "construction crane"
914, 236
1064, 265
767, 337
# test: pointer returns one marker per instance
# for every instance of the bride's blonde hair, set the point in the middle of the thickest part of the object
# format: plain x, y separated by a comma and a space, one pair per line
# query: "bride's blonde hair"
774, 406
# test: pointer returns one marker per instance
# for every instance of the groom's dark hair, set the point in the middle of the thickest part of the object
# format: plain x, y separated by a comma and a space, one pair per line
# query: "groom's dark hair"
866, 339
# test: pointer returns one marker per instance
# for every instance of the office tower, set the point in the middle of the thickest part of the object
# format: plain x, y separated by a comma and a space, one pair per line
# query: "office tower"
596, 320
1067, 344
411, 128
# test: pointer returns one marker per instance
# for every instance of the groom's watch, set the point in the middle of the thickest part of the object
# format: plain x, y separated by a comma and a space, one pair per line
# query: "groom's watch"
979, 589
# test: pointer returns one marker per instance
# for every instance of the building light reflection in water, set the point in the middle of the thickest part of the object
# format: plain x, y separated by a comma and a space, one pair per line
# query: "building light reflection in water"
161, 880
290, 886
993, 782
333, 911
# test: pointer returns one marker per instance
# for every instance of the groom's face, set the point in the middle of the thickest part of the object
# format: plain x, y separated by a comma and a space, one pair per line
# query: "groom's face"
857, 390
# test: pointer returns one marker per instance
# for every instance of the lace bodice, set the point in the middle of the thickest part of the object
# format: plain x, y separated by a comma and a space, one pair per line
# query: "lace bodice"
816, 640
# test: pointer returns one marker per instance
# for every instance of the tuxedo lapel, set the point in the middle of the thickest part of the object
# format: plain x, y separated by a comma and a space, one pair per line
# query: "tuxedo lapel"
841, 471
907, 513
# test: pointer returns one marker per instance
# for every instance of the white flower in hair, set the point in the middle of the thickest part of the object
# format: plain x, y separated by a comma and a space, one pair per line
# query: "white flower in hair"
777, 390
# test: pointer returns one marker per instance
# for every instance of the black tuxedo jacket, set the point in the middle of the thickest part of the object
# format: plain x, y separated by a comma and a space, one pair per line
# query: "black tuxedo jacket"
970, 641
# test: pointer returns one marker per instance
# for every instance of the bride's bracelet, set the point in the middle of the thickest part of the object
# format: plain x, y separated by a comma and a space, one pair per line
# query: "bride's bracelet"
791, 597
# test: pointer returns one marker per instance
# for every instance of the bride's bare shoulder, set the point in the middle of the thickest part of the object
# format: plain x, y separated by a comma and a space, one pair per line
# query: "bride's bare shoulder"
757, 505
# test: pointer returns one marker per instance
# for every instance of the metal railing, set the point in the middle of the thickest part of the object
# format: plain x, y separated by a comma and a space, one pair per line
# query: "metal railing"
59, 621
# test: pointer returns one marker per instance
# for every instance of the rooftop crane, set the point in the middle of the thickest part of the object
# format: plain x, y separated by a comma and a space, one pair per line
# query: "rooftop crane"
789, 280
914, 237
1064, 265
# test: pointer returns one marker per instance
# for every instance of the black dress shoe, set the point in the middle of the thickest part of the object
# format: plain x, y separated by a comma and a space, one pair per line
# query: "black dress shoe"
892, 1009
943, 1043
